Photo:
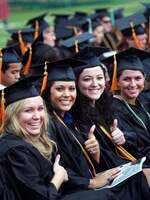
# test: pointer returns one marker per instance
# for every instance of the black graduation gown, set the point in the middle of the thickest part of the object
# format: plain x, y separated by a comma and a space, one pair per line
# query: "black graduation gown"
28, 172
78, 169
137, 137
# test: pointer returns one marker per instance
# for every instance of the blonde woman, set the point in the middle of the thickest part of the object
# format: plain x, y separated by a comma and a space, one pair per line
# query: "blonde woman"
26, 154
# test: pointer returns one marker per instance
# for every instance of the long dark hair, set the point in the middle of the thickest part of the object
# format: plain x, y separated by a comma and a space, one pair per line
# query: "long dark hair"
101, 113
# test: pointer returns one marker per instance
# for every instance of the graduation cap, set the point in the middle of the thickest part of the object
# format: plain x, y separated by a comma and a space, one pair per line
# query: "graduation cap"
62, 32
103, 11
23, 36
118, 13
90, 55
131, 26
22, 89
60, 18
147, 6
38, 22
79, 15
130, 59
26, 33
77, 40
9, 55
125, 24
57, 71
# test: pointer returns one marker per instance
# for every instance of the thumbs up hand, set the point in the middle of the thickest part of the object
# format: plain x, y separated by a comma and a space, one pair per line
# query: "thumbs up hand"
117, 134
92, 145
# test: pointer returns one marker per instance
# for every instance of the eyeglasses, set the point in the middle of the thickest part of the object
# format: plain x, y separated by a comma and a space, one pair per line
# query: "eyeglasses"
106, 21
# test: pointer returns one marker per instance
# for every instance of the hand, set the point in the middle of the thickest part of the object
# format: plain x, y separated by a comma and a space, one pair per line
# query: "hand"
117, 134
92, 145
60, 174
104, 178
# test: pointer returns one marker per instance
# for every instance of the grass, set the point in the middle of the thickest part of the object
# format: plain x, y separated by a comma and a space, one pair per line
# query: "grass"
18, 17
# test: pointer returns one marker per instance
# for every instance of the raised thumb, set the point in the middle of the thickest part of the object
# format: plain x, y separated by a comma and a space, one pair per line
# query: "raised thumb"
91, 132
115, 125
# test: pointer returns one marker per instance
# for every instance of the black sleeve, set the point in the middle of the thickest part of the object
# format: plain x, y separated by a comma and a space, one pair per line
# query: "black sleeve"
26, 170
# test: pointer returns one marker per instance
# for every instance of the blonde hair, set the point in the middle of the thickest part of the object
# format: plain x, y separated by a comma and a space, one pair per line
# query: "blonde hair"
12, 125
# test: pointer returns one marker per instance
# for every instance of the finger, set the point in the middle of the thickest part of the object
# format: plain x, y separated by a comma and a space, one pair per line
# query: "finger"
91, 132
57, 159
115, 125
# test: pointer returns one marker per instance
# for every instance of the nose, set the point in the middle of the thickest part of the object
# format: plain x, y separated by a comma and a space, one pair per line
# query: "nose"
133, 83
66, 93
18, 75
36, 115
94, 82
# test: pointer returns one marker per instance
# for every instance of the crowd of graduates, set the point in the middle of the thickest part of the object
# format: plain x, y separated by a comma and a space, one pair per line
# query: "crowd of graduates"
75, 106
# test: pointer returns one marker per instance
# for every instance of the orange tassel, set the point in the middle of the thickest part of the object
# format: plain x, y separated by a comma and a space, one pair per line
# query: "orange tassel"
45, 78
2, 110
76, 46
114, 86
26, 68
1, 62
21, 43
136, 40
36, 33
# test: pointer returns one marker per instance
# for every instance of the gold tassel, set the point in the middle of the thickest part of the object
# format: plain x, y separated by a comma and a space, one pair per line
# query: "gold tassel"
26, 67
21, 43
123, 153
136, 40
114, 86
45, 78
75, 29
1, 63
76, 46
2, 110
36, 33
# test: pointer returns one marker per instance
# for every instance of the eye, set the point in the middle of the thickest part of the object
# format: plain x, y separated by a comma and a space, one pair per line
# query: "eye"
28, 110
100, 77
41, 108
72, 89
138, 78
59, 89
87, 79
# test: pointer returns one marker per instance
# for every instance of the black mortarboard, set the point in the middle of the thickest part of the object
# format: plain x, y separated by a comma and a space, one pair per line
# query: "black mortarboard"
62, 33
118, 13
129, 59
40, 19
147, 6
9, 55
26, 33
60, 70
124, 24
84, 37
60, 18
79, 15
21, 90
90, 55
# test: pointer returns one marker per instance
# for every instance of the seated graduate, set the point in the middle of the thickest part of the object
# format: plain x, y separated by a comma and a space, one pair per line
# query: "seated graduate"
11, 67
26, 152
133, 117
80, 152
92, 106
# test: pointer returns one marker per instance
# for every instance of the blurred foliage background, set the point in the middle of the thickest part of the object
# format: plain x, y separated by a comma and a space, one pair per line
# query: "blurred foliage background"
22, 10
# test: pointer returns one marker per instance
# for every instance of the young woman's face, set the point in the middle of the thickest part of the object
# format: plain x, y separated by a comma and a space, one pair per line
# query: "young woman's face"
91, 82
131, 83
32, 115
62, 95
